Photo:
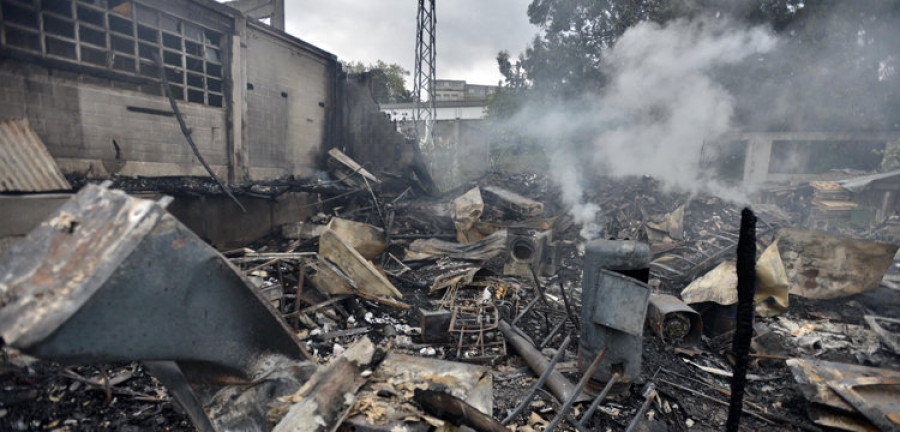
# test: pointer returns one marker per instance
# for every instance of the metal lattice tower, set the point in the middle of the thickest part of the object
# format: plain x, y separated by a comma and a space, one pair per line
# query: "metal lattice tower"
424, 76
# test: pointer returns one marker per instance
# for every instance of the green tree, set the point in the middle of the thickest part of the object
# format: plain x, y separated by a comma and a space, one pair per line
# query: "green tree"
836, 66
388, 80
565, 59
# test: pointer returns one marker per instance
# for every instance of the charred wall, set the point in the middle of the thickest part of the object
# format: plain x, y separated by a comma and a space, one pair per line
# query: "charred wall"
79, 117
217, 220
86, 75
368, 135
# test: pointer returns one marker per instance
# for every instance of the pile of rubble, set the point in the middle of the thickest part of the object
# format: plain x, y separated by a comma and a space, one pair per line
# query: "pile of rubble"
486, 309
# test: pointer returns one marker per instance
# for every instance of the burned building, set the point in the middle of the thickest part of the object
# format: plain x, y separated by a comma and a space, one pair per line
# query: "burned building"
381, 306
259, 104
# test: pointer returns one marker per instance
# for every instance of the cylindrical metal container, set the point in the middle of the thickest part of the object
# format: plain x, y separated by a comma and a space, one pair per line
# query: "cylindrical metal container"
614, 305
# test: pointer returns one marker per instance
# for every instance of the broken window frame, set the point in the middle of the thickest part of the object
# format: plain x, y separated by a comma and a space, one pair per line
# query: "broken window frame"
105, 47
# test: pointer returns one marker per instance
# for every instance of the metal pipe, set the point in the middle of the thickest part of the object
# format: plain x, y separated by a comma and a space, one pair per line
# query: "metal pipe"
540, 383
561, 415
561, 387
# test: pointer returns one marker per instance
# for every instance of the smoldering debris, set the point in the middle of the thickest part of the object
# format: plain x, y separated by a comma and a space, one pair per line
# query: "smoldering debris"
460, 324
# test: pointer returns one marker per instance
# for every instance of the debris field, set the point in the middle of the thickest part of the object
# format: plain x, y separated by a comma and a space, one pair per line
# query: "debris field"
418, 313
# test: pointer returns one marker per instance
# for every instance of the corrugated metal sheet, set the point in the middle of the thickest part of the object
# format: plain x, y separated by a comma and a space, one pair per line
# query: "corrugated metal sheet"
25, 163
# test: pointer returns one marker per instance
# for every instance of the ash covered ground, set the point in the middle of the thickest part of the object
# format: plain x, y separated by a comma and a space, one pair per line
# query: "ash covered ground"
692, 381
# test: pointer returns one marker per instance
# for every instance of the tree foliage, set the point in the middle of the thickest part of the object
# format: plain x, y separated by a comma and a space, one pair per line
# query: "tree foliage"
388, 80
565, 59
836, 62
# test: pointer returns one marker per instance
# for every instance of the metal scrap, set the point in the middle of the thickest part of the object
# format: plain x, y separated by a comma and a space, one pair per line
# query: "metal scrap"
86, 282
512, 201
673, 320
614, 307
825, 384
825, 266
888, 329
25, 163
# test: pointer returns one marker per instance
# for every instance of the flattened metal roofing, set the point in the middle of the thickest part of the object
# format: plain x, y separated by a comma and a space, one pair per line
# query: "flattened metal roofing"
25, 163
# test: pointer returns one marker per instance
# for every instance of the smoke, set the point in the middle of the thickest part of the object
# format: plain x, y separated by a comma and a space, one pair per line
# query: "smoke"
834, 71
583, 213
662, 103
675, 92
660, 106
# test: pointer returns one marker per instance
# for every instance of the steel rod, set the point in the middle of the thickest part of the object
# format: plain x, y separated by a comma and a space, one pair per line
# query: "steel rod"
712, 399
561, 415
598, 400
540, 382
649, 395
561, 387
528, 307
551, 335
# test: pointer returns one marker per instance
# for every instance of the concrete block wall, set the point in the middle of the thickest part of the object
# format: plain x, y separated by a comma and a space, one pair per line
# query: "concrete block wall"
287, 107
461, 152
78, 119
279, 128
47, 101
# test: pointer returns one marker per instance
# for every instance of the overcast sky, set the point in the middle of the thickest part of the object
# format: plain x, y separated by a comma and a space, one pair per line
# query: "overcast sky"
469, 32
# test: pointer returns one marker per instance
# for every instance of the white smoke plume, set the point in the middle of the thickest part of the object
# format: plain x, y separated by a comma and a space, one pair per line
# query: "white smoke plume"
568, 177
659, 108
662, 103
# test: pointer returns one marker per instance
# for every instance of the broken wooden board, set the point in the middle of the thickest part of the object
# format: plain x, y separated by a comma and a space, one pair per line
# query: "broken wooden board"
671, 228
348, 169
876, 398
466, 209
368, 280
825, 266
512, 201
328, 280
454, 279
366, 239
829, 191
456, 411
323, 402
383, 403
817, 380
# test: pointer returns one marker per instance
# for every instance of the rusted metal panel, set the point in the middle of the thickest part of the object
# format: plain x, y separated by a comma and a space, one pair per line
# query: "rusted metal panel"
825, 266
25, 163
